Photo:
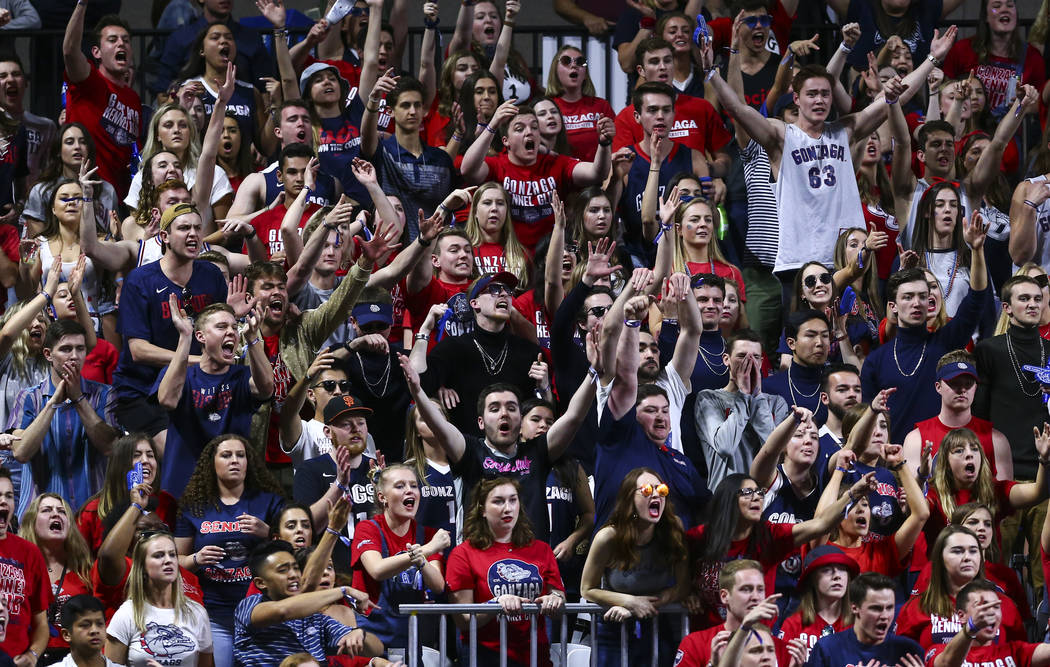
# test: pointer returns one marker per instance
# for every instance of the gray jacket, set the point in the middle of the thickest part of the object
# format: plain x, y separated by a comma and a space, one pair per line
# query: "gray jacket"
732, 428
23, 15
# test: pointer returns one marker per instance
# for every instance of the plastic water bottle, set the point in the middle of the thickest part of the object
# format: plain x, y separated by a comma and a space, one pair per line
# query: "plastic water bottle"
133, 165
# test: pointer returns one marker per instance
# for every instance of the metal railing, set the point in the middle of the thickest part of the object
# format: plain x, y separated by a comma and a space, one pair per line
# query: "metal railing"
595, 611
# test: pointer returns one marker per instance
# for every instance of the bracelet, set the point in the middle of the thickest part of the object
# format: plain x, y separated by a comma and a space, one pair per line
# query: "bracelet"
422, 241
508, 24
87, 199
897, 467
351, 600
280, 32
195, 561
840, 337
488, 128
1029, 202
971, 627
634, 324
845, 49
329, 529
891, 102
253, 342
46, 296
254, 233
933, 59
430, 25
29, 650
456, 137
140, 508
343, 487
841, 469
79, 398
444, 208
710, 74
421, 336
1045, 462
733, 51
593, 373
605, 143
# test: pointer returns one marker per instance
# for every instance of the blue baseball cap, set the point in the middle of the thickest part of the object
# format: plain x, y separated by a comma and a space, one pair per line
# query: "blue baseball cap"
503, 278
955, 369
366, 313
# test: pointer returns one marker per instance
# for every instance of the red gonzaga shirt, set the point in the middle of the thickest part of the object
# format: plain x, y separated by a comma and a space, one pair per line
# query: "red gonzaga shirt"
696, 125
581, 123
792, 628
695, 649
503, 569
113, 116
25, 587
437, 291
366, 538
999, 654
536, 313
1001, 575
268, 226
931, 629
530, 188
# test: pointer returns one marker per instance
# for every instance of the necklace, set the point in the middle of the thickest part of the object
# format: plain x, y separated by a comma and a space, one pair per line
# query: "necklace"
493, 365
1016, 365
951, 276
716, 356
792, 389
384, 378
915, 370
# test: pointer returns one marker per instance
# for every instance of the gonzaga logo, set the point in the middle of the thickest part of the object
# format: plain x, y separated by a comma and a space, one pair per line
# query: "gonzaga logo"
165, 641
514, 577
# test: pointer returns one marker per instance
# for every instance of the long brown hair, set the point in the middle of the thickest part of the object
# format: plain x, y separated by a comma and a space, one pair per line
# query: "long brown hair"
923, 228
937, 598
415, 454
964, 512
476, 528
870, 276
982, 41
78, 556
114, 492
668, 536
944, 481
203, 488
810, 598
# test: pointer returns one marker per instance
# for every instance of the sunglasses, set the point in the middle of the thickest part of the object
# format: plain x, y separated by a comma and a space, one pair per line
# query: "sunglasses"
811, 281
748, 492
648, 490
496, 289
572, 247
330, 385
567, 61
1042, 280
754, 21
187, 303
70, 200
598, 311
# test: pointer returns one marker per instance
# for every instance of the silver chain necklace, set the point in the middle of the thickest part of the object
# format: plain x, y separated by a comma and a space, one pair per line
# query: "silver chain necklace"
915, 370
1016, 365
493, 366
384, 378
792, 389
717, 356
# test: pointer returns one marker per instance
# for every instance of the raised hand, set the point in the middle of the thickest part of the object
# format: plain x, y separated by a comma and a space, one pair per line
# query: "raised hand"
942, 43
881, 402
504, 113
182, 322
975, 231
598, 259
382, 242
622, 160
641, 279
54, 277
863, 486
642, 8
606, 130
764, 612
804, 47
229, 85
850, 34
273, 11
894, 88
411, 376
364, 172
1042, 440
188, 93
539, 371
237, 296
669, 206
383, 85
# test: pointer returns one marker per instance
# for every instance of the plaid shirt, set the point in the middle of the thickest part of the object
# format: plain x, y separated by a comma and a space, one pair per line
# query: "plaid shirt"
67, 463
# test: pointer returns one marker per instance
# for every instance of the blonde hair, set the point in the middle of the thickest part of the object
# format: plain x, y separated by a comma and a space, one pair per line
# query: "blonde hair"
941, 318
513, 251
714, 250
153, 145
554, 85
20, 343
138, 586
78, 556
380, 475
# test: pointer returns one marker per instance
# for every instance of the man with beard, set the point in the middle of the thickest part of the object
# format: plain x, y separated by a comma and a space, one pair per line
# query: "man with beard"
839, 391
291, 342
908, 362
809, 338
639, 404
872, 601
1012, 399
214, 396
146, 327
742, 590
342, 471
957, 384
490, 354
502, 452
733, 422
25, 584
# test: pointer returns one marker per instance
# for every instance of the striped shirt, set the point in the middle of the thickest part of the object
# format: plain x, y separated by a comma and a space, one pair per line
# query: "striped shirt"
67, 463
762, 228
316, 634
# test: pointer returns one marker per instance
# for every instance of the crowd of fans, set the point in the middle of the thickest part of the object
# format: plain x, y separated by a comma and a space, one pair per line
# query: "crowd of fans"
314, 333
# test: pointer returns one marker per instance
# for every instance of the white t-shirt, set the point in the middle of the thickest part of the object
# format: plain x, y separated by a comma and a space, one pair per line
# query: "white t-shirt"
313, 442
220, 185
169, 643
68, 661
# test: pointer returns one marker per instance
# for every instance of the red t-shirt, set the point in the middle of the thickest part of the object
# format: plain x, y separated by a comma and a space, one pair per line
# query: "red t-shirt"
722, 270
366, 538
695, 649
792, 628
268, 225
581, 123
996, 73
113, 596
90, 526
934, 430
503, 569
25, 587
100, 362
112, 114
696, 125
930, 629
770, 544
72, 585
349, 71
879, 220
489, 258
1000, 654
9, 245
435, 126
938, 521
436, 291
530, 189
537, 314
878, 554
1001, 575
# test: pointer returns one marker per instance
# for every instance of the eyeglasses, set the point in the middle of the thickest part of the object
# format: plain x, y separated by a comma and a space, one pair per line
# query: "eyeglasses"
70, 200
754, 21
811, 281
648, 490
567, 61
330, 385
1042, 280
749, 491
187, 302
598, 311
572, 247
496, 289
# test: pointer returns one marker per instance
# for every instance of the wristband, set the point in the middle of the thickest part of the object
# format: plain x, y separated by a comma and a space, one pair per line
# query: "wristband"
444, 208
29, 650
733, 51
897, 467
253, 342
351, 600
1029, 202
646, 23
1044, 462
634, 324
606, 142
342, 538
343, 487
430, 25
79, 398
422, 241
888, 101
422, 336
971, 629
671, 321
253, 233
845, 49
593, 373
87, 199
140, 508
710, 74
195, 561
841, 469
508, 24
457, 137
933, 59
488, 128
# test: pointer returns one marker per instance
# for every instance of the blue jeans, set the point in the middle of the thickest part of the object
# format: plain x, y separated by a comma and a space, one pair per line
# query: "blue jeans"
222, 643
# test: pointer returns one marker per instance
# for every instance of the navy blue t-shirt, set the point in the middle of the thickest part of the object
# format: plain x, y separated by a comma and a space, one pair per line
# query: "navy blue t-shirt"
622, 447
924, 15
439, 504
339, 144
803, 389
144, 314
787, 506
843, 649
313, 478
886, 514
211, 405
226, 583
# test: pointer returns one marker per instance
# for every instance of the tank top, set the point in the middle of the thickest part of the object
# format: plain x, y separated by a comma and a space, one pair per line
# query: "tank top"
322, 195
817, 196
679, 160
241, 106
561, 508
651, 575
88, 286
440, 504
934, 430
150, 250
921, 186
1042, 227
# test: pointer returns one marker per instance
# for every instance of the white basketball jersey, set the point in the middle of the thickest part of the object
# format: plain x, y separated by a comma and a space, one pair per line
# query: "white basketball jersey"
1042, 228
817, 196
